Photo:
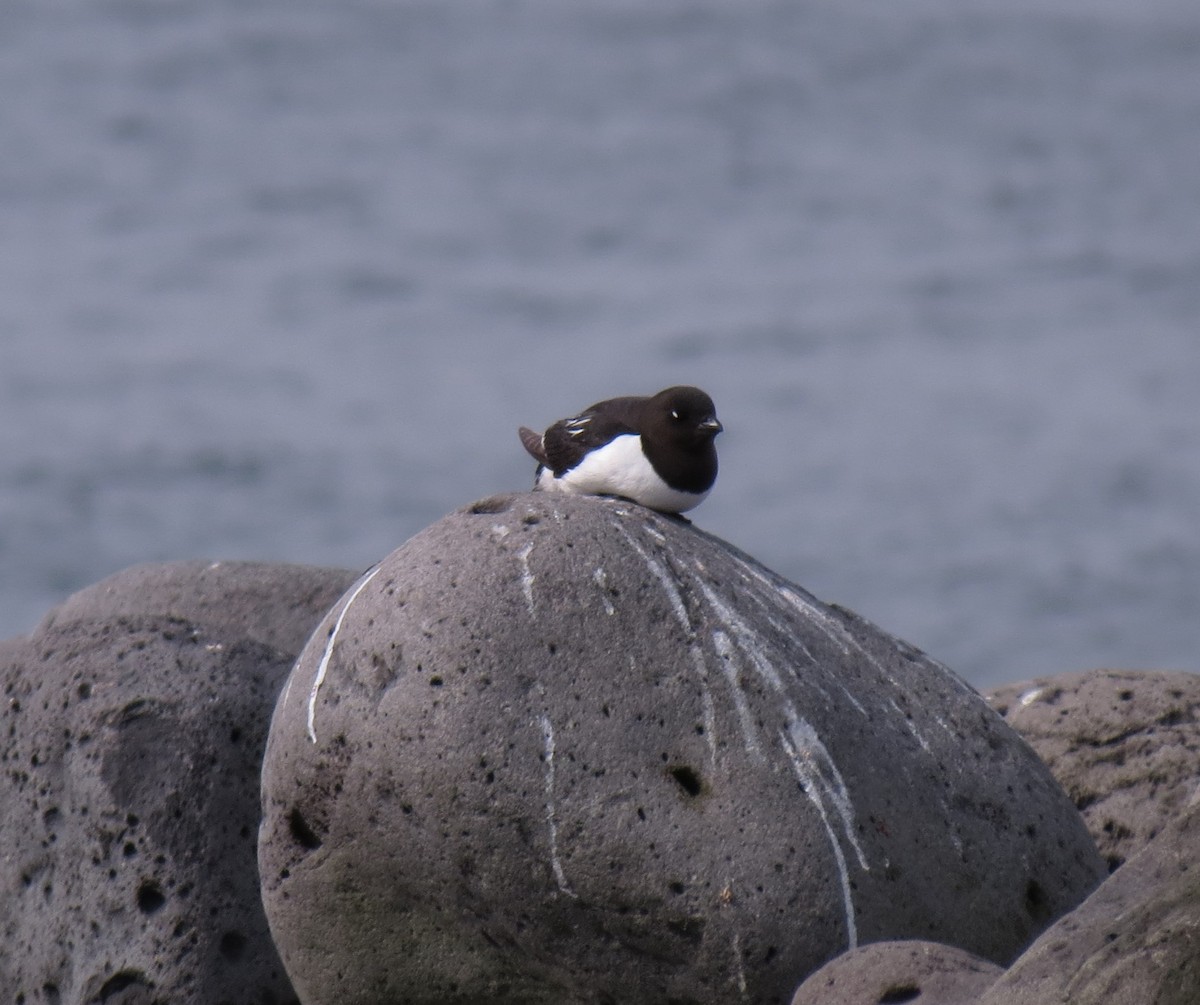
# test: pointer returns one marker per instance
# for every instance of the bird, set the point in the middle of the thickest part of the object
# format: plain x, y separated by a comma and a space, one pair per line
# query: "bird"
657, 451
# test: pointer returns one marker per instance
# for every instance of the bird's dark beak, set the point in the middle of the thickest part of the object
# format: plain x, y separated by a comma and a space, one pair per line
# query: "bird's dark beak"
711, 425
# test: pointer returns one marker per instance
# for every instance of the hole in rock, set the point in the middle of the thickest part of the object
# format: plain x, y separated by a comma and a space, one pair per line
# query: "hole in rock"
1034, 897
900, 993
304, 835
232, 945
492, 504
149, 897
119, 981
688, 779
676, 887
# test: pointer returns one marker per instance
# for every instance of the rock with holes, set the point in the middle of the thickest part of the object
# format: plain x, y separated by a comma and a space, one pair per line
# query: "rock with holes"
560, 749
1133, 941
131, 736
890, 973
1124, 744
271, 603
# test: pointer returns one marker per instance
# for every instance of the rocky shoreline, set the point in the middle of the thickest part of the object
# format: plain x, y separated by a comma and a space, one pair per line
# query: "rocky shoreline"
568, 750
1125, 745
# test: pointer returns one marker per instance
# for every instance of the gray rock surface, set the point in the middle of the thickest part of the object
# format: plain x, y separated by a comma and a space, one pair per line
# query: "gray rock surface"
1133, 941
130, 746
562, 750
267, 602
927, 973
1125, 745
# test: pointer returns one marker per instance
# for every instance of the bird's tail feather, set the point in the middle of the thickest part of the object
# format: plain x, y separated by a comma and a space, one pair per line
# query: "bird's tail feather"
532, 442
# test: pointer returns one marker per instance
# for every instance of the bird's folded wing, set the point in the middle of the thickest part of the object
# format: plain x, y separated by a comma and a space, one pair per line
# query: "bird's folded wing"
569, 440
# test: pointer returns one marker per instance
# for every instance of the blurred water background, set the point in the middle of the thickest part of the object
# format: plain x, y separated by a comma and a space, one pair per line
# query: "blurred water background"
281, 277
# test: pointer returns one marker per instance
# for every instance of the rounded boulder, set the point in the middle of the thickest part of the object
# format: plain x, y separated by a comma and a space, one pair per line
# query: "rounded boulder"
1124, 744
274, 603
560, 749
924, 972
131, 736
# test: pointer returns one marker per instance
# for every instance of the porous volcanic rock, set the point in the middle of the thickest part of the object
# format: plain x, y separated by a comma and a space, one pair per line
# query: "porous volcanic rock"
1125, 745
269, 602
560, 749
131, 741
928, 973
1133, 941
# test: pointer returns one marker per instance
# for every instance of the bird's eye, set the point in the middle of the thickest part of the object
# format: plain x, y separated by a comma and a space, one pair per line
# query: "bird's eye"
674, 414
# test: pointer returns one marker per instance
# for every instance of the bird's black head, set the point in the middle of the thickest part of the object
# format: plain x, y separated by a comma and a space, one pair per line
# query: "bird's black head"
685, 416
678, 427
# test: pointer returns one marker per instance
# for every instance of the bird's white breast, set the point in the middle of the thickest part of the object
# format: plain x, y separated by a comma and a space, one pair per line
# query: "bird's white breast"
620, 468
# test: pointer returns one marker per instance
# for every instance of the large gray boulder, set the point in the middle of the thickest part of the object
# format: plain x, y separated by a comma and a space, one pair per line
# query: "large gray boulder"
560, 749
928, 973
268, 602
131, 734
1123, 744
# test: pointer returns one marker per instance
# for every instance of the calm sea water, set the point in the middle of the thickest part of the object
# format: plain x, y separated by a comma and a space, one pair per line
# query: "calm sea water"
281, 277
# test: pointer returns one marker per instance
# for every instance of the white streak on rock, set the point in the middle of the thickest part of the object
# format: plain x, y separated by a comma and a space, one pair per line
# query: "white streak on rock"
551, 821
727, 657
500, 530
752, 645
803, 775
815, 769
803, 741
1029, 697
802, 736
287, 690
830, 627
752, 571
853, 701
904, 717
840, 636
792, 640
323, 666
664, 577
655, 533
527, 577
600, 578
